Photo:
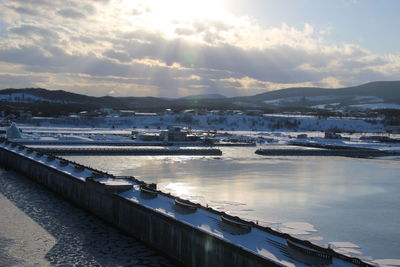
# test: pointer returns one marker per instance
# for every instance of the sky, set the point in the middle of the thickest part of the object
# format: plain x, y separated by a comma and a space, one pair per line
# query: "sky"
177, 48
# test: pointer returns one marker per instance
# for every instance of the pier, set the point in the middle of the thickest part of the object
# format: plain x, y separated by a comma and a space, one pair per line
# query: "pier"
134, 143
343, 152
129, 151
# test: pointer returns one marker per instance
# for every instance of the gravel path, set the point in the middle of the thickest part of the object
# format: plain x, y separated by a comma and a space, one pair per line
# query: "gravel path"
38, 228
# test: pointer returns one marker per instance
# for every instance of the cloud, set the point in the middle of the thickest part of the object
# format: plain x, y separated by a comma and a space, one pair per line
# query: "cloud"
71, 13
22, 80
33, 31
24, 10
184, 31
133, 47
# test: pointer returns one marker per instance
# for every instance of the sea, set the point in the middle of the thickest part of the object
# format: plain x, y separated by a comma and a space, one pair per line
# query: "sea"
351, 204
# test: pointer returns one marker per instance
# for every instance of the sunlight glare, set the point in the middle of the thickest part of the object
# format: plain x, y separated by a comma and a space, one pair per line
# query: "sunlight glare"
178, 189
167, 16
187, 9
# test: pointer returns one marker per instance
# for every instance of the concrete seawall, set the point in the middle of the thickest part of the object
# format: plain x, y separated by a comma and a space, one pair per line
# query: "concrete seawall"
131, 151
191, 238
133, 143
356, 153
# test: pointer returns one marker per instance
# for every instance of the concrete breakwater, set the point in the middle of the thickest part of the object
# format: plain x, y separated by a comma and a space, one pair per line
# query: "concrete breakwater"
130, 151
350, 152
133, 143
189, 233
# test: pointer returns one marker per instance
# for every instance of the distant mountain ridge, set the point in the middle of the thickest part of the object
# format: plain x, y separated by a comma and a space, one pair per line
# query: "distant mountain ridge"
374, 92
370, 94
384, 90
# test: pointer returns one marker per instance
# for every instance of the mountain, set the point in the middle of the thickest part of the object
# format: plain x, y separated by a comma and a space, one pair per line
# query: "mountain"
384, 90
371, 95
377, 93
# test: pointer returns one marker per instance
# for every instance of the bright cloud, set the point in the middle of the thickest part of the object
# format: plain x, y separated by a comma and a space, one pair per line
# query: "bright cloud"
170, 48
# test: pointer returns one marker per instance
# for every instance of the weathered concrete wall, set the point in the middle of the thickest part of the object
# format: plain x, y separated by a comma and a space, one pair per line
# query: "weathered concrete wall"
183, 243
59, 182
101, 199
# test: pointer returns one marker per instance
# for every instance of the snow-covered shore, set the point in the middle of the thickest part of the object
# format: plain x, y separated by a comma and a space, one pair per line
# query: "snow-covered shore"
266, 122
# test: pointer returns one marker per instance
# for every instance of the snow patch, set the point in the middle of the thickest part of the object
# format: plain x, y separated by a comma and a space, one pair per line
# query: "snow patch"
388, 262
377, 106
298, 228
293, 99
344, 245
368, 98
111, 181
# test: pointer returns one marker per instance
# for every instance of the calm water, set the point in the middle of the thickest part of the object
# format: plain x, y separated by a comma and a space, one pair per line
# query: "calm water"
324, 199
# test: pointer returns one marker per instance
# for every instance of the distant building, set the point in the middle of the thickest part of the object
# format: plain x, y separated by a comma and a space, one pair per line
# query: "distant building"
174, 133
332, 135
25, 114
107, 111
393, 128
148, 137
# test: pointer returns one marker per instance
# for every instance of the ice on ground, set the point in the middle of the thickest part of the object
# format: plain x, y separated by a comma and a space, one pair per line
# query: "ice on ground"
111, 181
387, 262
224, 202
315, 238
377, 106
346, 248
348, 251
343, 245
298, 228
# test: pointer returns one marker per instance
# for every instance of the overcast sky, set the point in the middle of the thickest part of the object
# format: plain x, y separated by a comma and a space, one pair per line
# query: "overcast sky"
184, 47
